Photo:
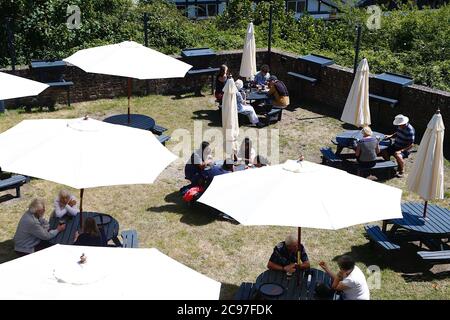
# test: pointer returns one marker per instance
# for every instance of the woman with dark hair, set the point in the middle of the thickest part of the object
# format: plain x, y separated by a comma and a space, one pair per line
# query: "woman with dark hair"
221, 79
91, 235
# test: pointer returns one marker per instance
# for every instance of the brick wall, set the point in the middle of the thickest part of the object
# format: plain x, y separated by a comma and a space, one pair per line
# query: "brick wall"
419, 103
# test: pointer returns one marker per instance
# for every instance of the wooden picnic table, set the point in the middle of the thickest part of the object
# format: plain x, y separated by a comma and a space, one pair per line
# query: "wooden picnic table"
348, 138
257, 95
436, 225
305, 290
109, 224
138, 121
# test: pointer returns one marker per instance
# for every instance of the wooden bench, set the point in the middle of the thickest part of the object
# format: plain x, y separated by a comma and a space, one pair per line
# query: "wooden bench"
158, 130
380, 238
381, 99
163, 139
302, 77
246, 291
129, 239
14, 182
435, 257
274, 115
330, 158
386, 166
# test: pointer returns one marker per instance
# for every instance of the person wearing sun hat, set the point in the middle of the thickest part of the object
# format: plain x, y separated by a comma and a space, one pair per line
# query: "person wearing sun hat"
404, 139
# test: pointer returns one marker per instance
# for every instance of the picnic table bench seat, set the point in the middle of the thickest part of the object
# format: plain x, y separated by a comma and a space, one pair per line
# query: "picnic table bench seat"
163, 139
376, 235
246, 291
129, 239
386, 166
14, 182
330, 158
435, 257
159, 130
273, 115
381, 99
302, 77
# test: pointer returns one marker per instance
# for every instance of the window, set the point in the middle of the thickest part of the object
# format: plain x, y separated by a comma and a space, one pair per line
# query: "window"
296, 6
301, 6
292, 6
212, 10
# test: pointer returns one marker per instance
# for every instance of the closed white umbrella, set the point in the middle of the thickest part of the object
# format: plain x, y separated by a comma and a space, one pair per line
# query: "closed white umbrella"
12, 87
248, 62
108, 273
230, 122
427, 174
83, 153
128, 59
356, 109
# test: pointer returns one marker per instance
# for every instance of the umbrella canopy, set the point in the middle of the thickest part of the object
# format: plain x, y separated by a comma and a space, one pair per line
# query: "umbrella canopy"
356, 109
302, 195
12, 87
108, 273
128, 59
248, 62
83, 153
427, 174
230, 122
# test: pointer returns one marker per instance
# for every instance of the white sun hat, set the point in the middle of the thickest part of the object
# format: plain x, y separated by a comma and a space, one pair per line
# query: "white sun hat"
400, 120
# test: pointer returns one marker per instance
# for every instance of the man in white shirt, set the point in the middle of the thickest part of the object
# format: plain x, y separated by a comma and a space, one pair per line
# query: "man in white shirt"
65, 204
350, 279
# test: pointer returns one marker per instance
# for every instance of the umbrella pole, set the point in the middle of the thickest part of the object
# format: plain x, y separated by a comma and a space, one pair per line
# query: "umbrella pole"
129, 99
81, 208
425, 209
298, 254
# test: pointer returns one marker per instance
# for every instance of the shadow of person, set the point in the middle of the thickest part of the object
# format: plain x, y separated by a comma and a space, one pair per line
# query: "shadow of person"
213, 116
7, 251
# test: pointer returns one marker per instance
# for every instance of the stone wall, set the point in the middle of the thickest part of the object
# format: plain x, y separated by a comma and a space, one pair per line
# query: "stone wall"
419, 103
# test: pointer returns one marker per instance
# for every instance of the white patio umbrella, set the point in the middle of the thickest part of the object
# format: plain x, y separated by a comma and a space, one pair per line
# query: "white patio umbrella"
12, 87
108, 273
248, 62
128, 59
356, 109
302, 195
427, 174
83, 153
230, 122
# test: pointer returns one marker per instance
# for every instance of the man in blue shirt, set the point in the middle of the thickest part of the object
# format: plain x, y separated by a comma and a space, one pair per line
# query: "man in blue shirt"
262, 76
404, 139
284, 256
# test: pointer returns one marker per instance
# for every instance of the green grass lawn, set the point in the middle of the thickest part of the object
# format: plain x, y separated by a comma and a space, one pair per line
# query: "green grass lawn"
226, 252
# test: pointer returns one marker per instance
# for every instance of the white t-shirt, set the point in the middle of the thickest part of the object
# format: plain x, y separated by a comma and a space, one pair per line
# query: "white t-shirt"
357, 286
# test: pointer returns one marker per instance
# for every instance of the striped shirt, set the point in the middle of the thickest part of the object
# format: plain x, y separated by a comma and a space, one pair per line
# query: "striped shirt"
404, 136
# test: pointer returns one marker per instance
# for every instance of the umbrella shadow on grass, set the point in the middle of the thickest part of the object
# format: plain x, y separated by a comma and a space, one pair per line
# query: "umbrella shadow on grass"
404, 260
214, 117
197, 215
7, 251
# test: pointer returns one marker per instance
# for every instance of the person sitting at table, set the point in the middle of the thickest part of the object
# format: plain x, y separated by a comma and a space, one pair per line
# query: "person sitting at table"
33, 232
262, 76
221, 79
244, 108
284, 256
246, 152
367, 148
261, 161
278, 92
197, 162
92, 235
350, 279
217, 170
64, 204
404, 139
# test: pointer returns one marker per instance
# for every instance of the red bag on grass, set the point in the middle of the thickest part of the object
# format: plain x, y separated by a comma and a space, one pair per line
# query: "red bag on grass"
192, 192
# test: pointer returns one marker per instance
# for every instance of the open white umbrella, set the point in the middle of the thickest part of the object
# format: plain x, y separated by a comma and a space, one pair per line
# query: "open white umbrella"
230, 122
248, 61
302, 195
356, 109
129, 59
12, 87
83, 153
427, 174
108, 273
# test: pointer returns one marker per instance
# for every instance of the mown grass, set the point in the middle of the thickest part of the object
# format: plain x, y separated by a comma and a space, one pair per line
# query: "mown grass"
224, 251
